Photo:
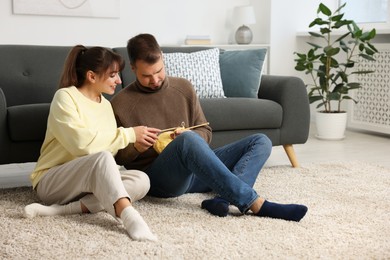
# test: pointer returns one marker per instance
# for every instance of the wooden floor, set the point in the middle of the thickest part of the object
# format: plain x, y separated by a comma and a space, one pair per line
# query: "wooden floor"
358, 145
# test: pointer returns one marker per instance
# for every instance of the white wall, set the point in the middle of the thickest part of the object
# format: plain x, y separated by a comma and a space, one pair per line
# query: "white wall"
170, 21
287, 18
278, 22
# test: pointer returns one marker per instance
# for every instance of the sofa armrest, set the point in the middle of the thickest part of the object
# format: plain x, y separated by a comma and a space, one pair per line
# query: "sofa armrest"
4, 139
290, 92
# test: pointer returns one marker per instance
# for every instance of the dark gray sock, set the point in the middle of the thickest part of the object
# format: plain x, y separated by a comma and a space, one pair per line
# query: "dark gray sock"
293, 212
216, 206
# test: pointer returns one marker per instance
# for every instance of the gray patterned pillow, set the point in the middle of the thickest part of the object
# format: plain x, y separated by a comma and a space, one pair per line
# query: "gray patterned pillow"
201, 68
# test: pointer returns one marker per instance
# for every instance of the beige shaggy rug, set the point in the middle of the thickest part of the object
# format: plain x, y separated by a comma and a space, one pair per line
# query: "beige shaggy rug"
348, 218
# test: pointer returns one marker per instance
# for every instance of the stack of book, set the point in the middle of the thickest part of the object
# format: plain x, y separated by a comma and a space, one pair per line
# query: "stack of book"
197, 40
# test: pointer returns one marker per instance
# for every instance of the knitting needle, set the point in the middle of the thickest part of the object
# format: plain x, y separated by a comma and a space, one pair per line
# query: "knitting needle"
188, 128
196, 126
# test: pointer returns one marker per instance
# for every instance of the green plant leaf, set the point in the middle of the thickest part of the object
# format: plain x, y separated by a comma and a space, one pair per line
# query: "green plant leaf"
313, 99
324, 9
325, 30
372, 34
300, 68
314, 34
361, 47
301, 55
367, 57
315, 45
311, 54
363, 72
344, 46
366, 36
341, 23
354, 85
330, 51
342, 37
338, 87
369, 51
341, 7
320, 105
334, 96
318, 21
337, 17
334, 63
343, 76
356, 32
344, 91
349, 64
349, 98
372, 47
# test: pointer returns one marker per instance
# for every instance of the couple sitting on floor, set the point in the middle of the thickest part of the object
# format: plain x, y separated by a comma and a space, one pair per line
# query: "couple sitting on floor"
87, 137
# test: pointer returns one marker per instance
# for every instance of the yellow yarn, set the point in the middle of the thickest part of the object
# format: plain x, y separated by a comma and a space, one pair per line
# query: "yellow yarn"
166, 137
163, 140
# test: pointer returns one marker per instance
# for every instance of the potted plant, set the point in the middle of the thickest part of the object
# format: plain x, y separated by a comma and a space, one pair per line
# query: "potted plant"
331, 66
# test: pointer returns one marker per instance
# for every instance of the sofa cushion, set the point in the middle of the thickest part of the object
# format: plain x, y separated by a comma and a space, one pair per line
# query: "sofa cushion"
225, 114
241, 72
28, 122
201, 68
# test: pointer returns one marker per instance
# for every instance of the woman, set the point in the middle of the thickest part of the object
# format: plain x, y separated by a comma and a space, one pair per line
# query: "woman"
76, 171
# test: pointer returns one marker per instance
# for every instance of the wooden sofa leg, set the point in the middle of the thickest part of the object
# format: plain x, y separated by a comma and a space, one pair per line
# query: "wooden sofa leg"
291, 155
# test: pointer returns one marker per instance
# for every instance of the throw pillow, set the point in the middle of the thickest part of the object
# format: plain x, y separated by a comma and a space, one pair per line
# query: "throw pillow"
201, 68
241, 71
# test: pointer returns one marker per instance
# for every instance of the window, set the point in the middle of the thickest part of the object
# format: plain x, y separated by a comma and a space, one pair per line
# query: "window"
372, 12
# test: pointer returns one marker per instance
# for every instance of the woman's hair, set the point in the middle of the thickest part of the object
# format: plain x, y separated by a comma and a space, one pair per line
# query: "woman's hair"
81, 59
143, 47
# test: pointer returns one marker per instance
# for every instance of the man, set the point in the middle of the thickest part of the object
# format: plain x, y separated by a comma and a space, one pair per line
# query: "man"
187, 164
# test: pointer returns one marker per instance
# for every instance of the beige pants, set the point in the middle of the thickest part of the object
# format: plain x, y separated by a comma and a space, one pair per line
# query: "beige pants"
95, 180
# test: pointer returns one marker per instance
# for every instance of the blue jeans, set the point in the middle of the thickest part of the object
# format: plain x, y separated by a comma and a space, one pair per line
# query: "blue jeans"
188, 164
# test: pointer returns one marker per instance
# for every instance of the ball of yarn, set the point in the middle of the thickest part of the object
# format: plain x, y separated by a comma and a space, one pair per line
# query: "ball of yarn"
163, 140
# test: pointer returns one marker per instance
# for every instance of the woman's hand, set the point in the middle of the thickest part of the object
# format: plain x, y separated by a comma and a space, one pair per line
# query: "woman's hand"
145, 137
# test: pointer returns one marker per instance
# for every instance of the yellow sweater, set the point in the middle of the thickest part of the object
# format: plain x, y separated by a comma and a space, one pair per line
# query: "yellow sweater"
78, 126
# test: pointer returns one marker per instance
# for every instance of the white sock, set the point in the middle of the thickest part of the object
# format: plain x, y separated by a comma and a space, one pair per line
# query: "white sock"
136, 226
36, 209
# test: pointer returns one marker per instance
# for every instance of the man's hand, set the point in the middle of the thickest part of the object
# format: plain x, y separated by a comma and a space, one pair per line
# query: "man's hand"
178, 131
145, 137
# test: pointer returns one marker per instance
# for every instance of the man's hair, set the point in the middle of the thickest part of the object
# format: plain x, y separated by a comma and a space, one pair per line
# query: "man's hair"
143, 47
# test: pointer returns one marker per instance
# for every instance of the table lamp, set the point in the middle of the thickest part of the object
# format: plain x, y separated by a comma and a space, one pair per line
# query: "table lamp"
244, 15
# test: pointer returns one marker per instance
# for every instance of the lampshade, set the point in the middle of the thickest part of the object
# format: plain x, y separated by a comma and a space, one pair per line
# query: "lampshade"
244, 15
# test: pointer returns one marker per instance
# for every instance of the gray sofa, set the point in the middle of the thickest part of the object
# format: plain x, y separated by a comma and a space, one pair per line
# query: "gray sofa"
29, 77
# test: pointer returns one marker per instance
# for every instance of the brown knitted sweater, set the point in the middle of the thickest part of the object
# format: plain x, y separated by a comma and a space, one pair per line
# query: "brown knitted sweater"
175, 102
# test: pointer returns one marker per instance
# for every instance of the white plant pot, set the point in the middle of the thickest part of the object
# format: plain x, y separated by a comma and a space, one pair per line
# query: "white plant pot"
331, 126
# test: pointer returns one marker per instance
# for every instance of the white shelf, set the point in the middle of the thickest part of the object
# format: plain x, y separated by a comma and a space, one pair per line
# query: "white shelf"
338, 33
